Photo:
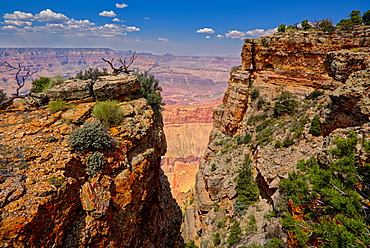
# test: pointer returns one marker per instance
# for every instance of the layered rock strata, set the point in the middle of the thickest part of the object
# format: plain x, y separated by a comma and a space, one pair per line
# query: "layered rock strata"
246, 126
47, 199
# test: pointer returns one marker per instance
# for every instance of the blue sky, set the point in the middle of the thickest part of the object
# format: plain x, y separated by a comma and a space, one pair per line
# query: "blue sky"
177, 27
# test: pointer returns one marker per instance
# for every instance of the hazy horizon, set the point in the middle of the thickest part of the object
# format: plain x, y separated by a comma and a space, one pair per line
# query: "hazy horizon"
203, 28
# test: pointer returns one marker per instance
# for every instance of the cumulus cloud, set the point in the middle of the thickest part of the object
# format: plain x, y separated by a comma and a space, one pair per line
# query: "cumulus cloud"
205, 31
146, 18
208, 37
10, 28
121, 6
20, 16
108, 13
235, 34
51, 17
261, 32
132, 29
117, 20
17, 23
163, 39
219, 36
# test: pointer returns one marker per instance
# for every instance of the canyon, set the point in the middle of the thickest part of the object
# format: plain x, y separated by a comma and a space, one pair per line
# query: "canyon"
262, 130
276, 162
191, 87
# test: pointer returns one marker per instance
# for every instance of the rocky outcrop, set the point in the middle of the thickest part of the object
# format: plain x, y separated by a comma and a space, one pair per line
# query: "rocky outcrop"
247, 131
106, 87
48, 200
350, 103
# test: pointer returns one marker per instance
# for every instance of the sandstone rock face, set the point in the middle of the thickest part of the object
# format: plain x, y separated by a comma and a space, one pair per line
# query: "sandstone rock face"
298, 62
106, 87
187, 131
48, 200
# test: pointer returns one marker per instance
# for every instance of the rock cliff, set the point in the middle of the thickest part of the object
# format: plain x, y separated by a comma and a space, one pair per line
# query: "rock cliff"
294, 94
187, 131
49, 199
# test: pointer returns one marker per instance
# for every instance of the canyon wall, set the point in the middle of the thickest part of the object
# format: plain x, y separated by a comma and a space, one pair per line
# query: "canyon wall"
65, 181
263, 128
187, 130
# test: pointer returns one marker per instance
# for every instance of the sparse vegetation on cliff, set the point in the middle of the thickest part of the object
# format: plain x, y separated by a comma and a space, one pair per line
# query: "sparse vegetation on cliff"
246, 186
57, 105
91, 136
109, 113
150, 90
95, 162
332, 198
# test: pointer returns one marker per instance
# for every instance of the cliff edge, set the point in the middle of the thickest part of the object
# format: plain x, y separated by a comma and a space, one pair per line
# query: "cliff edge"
51, 195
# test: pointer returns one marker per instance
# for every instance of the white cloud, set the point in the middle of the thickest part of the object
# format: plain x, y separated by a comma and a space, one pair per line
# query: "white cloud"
163, 39
208, 37
17, 23
132, 29
219, 36
121, 6
146, 18
108, 13
235, 34
9, 28
205, 31
117, 20
20, 16
261, 32
51, 17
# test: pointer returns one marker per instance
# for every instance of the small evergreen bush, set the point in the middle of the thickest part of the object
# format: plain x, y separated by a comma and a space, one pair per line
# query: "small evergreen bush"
109, 113
285, 104
247, 188
235, 234
57, 105
216, 239
255, 94
40, 85
95, 163
91, 136
315, 128
244, 139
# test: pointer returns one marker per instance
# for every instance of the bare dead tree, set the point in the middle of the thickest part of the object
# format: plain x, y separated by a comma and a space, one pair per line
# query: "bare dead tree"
23, 73
124, 68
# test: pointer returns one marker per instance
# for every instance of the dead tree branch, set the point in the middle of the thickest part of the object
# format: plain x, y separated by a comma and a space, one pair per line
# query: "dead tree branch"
23, 73
124, 68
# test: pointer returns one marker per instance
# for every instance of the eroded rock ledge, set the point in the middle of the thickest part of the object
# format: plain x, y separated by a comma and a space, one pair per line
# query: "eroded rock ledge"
46, 197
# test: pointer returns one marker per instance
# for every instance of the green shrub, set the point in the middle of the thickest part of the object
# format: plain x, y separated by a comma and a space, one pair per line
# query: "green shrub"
285, 104
216, 239
235, 234
315, 128
315, 94
255, 94
95, 163
150, 90
91, 136
213, 167
252, 224
278, 144
275, 243
40, 85
305, 25
260, 103
57, 80
244, 139
57, 105
247, 188
265, 42
56, 181
109, 113
191, 244
281, 28
288, 142
338, 218
91, 73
